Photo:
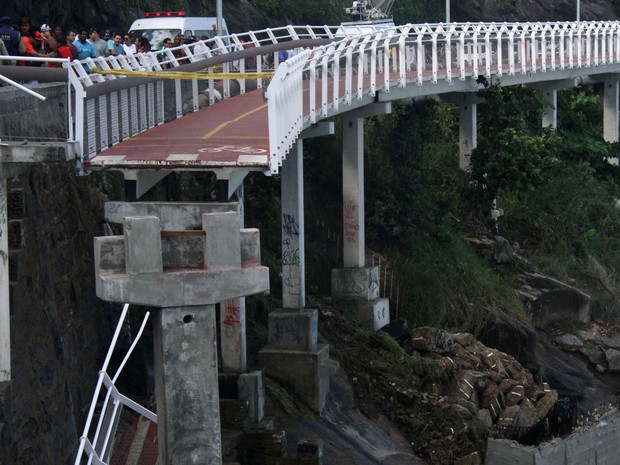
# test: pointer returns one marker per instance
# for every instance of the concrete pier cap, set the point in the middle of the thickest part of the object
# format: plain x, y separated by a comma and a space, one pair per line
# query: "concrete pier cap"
146, 266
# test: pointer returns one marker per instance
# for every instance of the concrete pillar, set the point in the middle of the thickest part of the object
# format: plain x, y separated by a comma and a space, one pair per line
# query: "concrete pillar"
354, 255
176, 216
610, 110
610, 113
185, 274
468, 131
293, 251
186, 380
550, 113
5, 313
233, 335
293, 356
355, 285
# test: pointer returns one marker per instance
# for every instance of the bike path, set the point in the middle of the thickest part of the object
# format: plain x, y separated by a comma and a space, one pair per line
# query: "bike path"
232, 133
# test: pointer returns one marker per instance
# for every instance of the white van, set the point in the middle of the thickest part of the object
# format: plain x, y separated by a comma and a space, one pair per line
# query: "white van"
158, 26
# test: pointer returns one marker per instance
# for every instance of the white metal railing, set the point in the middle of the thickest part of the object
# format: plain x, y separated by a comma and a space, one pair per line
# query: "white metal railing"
344, 73
110, 117
332, 78
99, 449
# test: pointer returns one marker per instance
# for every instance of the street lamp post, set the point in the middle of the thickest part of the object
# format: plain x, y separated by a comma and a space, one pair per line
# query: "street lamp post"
218, 13
578, 10
448, 11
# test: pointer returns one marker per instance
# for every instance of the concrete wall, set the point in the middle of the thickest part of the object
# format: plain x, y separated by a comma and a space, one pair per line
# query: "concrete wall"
23, 116
595, 445
59, 329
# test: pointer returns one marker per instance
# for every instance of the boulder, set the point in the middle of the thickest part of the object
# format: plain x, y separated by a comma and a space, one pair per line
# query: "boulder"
508, 417
528, 415
594, 354
515, 395
544, 405
470, 459
502, 250
568, 342
613, 360
551, 300
485, 417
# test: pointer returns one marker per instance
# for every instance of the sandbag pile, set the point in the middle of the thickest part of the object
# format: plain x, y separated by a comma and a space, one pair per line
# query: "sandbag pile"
489, 384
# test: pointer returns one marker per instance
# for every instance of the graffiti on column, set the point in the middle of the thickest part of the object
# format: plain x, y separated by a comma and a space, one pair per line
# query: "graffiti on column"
351, 227
373, 286
351, 284
231, 316
289, 224
285, 331
291, 260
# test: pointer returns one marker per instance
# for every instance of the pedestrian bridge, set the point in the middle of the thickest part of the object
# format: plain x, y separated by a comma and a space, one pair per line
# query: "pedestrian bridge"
266, 104
234, 107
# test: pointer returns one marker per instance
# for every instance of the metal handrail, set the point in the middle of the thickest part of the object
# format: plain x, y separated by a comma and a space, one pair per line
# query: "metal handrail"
365, 62
98, 450
417, 55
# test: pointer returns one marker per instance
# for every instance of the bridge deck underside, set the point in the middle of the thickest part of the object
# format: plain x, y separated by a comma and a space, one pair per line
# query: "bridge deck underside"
234, 133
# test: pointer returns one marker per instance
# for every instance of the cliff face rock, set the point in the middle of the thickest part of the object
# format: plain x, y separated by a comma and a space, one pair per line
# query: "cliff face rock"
59, 329
240, 15
532, 10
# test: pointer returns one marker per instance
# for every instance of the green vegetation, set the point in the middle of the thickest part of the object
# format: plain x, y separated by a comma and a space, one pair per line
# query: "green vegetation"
557, 190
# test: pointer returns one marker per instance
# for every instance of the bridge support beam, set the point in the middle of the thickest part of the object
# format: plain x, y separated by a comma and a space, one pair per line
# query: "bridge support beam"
550, 93
550, 113
356, 286
293, 230
610, 110
5, 309
293, 356
468, 122
218, 263
468, 131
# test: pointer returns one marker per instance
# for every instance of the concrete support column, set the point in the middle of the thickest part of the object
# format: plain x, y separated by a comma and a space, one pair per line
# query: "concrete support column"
185, 273
356, 286
233, 335
354, 255
468, 132
610, 110
293, 251
5, 312
293, 356
610, 113
550, 113
186, 381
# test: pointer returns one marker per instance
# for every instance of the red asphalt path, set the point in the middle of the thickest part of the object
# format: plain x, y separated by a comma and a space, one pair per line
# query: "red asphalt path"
230, 133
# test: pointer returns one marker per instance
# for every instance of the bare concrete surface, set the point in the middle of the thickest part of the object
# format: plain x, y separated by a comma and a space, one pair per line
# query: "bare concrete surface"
349, 437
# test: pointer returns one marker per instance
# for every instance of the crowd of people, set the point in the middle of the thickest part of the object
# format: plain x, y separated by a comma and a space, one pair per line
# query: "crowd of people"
23, 39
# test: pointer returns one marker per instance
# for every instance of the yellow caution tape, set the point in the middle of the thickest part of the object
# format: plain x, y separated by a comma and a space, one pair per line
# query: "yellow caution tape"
183, 74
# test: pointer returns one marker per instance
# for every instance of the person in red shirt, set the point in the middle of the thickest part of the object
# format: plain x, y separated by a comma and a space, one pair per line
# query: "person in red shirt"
64, 49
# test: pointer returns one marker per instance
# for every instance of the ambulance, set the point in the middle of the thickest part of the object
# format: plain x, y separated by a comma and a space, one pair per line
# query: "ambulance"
160, 25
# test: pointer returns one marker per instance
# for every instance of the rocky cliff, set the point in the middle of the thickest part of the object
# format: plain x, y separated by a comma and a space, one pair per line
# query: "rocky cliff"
107, 14
241, 15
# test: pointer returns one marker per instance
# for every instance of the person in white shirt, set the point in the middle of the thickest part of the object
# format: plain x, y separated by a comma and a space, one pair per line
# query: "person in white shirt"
128, 45
200, 49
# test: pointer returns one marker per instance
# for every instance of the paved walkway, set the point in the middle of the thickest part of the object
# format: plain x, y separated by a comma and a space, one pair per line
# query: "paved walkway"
231, 133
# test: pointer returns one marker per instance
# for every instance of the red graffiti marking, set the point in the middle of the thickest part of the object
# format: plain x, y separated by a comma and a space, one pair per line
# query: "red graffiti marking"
351, 227
349, 210
232, 314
